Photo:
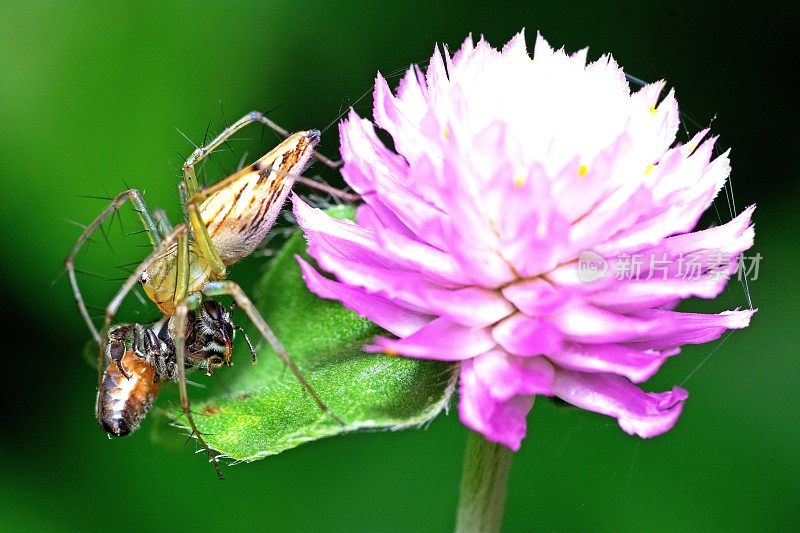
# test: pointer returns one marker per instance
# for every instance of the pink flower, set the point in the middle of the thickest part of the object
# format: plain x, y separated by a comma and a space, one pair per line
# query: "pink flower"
534, 222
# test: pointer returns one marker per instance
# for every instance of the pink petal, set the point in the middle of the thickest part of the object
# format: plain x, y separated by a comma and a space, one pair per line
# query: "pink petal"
686, 195
401, 116
535, 296
470, 306
386, 314
381, 176
339, 237
367, 160
730, 238
440, 339
505, 375
534, 243
621, 208
435, 264
692, 264
634, 295
469, 236
527, 336
577, 197
498, 421
648, 329
592, 325
399, 286
638, 413
636, 365
689, 328
337, 244
654, 134
436, 74
375, 216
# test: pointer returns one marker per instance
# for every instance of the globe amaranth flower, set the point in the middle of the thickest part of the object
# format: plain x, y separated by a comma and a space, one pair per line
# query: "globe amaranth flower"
511, 178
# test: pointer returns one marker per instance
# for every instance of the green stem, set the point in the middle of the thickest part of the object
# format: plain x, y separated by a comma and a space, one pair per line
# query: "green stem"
483, 486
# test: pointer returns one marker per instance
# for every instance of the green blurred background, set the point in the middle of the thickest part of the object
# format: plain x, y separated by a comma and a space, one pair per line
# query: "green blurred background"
91, 96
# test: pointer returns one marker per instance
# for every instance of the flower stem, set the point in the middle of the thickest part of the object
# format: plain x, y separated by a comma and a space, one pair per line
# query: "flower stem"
483, 485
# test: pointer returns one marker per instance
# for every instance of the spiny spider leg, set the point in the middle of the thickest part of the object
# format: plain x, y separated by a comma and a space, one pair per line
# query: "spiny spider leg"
273, 126
150, 227
181, 312
192, 189
189, 173
162, 221
333, 191
308, 182
230, 288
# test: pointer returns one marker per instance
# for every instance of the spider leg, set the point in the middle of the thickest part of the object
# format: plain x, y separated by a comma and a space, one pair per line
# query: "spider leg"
189, 174
204, 242
150, 227
324, 187
230, 288
162, 221
129, 284
181, 312
256, 116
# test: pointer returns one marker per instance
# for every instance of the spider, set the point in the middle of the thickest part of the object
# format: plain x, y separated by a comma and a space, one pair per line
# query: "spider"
226, 222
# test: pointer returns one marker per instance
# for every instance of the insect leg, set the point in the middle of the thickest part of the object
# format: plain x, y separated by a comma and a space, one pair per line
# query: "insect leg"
249, 343
230, 288
149, 225
117, 345
180, 345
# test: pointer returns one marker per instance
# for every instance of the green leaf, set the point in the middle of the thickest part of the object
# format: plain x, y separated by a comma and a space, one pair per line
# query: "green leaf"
264, 410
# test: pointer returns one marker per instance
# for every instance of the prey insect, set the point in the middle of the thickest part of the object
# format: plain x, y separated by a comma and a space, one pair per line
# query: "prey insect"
140, 358
226, 222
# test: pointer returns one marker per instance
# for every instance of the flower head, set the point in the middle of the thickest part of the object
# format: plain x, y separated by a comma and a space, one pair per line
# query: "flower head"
503, 228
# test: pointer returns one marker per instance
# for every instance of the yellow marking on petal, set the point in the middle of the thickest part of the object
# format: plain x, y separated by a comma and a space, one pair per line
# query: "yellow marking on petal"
653, 109
446, 133
519, 181
649, 168
391, 352
583, 170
